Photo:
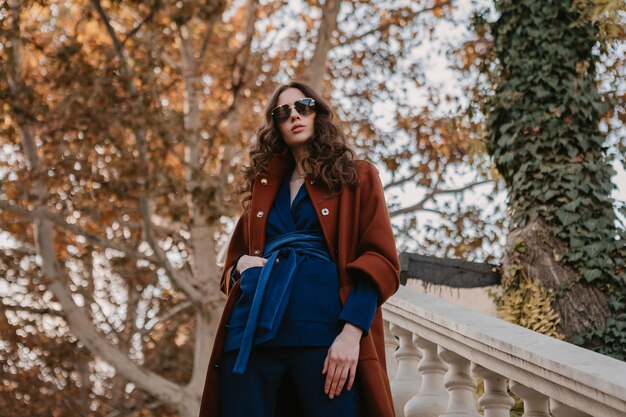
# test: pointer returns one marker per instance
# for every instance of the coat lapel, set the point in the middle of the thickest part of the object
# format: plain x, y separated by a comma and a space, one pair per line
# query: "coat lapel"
327, 211
264, 191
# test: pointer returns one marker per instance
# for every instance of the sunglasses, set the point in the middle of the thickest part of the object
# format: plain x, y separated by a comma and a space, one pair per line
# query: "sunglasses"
304, 107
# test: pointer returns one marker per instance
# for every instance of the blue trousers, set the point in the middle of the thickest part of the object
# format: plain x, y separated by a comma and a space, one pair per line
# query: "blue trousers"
274, 372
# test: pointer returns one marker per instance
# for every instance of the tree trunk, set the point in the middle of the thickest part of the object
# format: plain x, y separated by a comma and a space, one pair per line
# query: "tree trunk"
534, 249
545, 141
316, 68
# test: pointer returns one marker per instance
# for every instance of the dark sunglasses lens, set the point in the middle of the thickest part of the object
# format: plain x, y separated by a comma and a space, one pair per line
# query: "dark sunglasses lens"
281, 113
305, 106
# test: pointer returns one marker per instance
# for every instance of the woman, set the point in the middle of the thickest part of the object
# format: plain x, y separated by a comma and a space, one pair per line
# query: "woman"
310, 261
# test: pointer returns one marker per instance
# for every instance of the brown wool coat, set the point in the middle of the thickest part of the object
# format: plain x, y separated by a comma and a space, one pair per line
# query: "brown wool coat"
359, 237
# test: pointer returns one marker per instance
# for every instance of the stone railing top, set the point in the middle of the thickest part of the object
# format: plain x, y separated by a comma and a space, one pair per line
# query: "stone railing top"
557, 369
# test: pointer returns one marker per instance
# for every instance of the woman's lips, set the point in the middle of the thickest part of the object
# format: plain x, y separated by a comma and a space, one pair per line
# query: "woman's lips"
297, 129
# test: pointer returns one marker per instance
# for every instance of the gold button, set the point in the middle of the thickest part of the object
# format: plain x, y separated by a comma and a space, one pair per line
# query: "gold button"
259, 214
263, 181
257, 252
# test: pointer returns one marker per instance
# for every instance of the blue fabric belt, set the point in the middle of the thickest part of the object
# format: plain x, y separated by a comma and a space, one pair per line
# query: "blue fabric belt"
272, 295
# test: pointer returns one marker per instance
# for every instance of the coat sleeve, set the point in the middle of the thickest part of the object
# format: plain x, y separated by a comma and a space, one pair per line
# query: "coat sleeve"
376, 253
237, 246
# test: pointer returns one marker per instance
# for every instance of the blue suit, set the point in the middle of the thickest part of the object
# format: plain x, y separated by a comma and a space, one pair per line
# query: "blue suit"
290, 312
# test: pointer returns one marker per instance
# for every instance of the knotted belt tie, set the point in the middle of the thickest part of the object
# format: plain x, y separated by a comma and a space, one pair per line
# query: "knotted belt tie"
264, 314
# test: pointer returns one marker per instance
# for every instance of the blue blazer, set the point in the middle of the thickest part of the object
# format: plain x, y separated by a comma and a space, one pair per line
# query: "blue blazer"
310, 312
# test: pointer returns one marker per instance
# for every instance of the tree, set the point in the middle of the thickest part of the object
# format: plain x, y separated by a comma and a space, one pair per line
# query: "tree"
111, 173
545, 139
123, 127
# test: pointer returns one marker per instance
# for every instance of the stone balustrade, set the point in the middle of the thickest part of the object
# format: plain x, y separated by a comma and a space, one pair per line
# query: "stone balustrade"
439, 349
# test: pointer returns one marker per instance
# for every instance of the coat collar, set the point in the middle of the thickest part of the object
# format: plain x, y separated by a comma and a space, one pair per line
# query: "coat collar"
264, 191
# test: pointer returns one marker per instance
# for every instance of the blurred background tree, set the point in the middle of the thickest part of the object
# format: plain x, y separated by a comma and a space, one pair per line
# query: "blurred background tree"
124, 127
554, 120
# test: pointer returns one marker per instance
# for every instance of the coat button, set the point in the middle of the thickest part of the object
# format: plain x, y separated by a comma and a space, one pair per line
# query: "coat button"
325, 211
259, 214
216, 365
263, 181
257, 252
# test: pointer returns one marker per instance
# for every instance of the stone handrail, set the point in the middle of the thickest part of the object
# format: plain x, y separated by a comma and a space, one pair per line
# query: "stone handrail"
552, 377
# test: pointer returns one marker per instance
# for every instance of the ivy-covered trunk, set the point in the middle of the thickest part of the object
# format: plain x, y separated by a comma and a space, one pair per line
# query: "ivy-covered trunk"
545, 141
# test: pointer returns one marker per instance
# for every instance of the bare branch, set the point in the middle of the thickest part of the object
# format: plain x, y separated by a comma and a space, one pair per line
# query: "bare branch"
388, 24
419, 206
239, 71
25, 249
400, 181
463, 188
180, 277
117, 44
178, 308
243, 53
205, 42
153, 9
32, 310
211, 25
97, 344
42, 213
415, 207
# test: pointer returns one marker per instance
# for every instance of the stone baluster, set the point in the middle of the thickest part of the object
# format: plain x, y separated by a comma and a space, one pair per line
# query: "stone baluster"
432, 398
407, 380
391, 344
495, 402
559, 409
535, 404
460, 385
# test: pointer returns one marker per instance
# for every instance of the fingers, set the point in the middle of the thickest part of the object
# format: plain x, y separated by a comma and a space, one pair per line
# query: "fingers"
337, 372
247, 261
330, 375
340, 381
352, 377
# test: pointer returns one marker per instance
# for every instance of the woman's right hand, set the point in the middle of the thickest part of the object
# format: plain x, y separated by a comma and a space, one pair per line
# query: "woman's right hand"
247, 261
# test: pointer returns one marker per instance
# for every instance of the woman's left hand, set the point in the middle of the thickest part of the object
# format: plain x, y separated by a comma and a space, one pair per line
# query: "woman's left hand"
341, 361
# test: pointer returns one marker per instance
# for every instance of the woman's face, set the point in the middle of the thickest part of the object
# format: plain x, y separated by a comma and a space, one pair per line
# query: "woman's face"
298, 128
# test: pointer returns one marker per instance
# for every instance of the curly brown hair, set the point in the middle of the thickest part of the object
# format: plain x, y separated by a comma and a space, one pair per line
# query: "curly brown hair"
328, 158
